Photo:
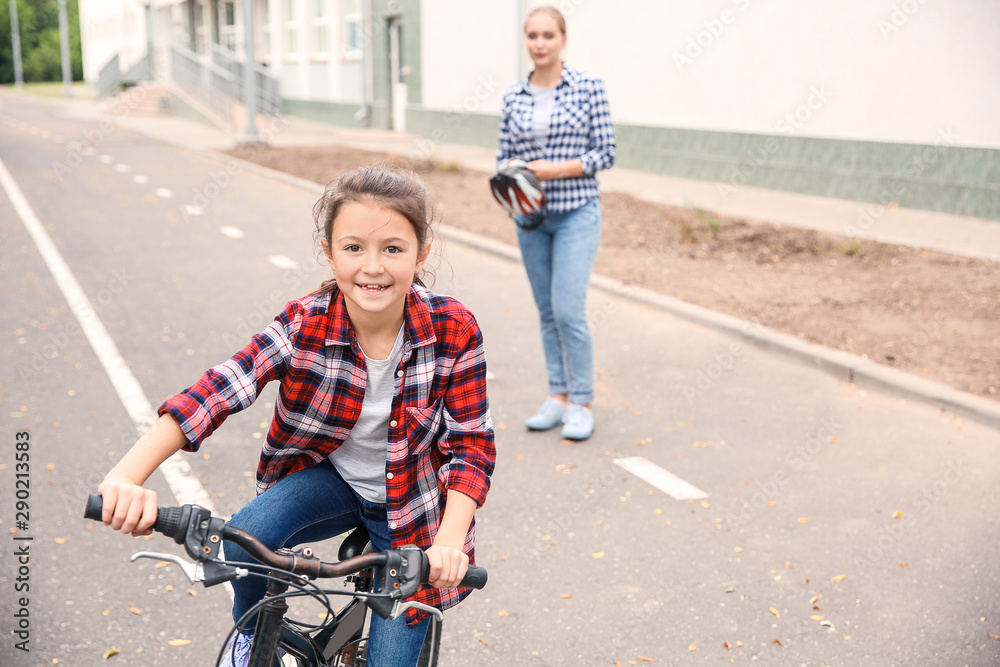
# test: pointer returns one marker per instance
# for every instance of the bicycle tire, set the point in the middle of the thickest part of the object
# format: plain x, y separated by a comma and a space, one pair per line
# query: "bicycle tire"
431, 649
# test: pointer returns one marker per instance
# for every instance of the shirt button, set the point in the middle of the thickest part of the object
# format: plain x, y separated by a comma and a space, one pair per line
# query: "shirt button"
393, 423
399, 373
392, 525
388, 475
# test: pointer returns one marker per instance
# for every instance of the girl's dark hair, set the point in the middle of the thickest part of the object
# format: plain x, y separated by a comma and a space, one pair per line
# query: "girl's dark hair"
403, 192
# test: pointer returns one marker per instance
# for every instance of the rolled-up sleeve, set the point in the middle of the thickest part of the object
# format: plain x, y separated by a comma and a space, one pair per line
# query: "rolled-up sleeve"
468, 437
236, 383
601, 153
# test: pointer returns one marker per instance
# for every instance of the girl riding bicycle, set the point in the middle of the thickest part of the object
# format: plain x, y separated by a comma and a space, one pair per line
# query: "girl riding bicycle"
382, 417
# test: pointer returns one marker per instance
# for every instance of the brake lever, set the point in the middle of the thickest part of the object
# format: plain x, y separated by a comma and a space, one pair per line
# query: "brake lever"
193, 571
400, 608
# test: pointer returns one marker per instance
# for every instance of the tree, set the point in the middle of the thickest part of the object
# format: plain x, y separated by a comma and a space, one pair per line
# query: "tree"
41, 54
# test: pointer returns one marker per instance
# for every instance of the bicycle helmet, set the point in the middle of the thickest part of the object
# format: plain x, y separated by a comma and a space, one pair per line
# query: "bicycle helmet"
518, 190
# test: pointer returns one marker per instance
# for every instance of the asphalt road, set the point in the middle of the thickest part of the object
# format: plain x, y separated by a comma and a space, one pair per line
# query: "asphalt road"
876, 514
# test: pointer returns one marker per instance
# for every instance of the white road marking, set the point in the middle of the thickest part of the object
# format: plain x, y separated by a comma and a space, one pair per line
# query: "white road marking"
193, 210
166, 193
106, 159
140, 179
122, 168
283, 262
59, 139
177, 471
670, 484
232, 232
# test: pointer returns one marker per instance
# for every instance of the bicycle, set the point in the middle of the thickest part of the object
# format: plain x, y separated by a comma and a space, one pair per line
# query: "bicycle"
340, 640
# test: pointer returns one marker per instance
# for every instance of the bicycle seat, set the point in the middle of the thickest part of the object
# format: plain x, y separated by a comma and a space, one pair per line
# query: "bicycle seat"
354, 544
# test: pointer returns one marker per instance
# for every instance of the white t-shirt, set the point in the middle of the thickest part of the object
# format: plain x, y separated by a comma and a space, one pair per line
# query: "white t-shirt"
545, 103
360, 460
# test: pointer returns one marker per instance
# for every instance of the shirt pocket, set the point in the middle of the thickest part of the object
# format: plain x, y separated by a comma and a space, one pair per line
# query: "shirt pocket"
575, 116
423, 428
520, 124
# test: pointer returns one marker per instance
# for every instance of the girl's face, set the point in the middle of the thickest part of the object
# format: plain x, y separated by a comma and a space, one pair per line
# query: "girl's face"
544, 40
374, 253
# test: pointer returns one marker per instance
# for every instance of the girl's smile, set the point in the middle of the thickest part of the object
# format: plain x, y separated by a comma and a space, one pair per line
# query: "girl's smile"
374, 253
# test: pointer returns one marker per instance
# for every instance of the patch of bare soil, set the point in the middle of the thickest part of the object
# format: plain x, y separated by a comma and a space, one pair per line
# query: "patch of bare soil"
928, 313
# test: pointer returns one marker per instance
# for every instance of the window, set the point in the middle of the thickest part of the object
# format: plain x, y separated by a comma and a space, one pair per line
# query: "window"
291, 28
353, 29
321, 27
227, 31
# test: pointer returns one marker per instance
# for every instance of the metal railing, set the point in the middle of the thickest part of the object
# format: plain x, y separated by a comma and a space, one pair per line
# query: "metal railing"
212, 86
141, 70
108, 80
268, 86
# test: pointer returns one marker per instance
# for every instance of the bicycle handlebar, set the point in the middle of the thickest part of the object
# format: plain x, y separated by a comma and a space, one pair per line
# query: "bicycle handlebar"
193, 527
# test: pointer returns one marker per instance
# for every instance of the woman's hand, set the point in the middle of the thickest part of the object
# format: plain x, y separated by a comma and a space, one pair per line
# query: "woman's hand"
128, 507
546, 170
448, 566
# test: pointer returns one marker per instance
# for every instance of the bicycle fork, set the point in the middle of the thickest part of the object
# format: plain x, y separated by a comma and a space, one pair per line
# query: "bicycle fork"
268, 629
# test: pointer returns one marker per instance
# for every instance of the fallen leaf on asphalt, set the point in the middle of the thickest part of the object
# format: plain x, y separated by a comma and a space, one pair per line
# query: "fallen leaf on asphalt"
645, 659
162, 563
826, 624
598, 554
566, 596
701, 444
137, 612
706, 505
739, 644
179, 642
50, 467
815, 617
693, 646
778, 642
726, 644
814, 599
993, 636
904, 564
803, 519
847, 638
775, 612
504, 613
738, 550
168, 588
839, 577
897, 514
192, 592
106, 611
110, 652
483, 641
61, 540
772, 503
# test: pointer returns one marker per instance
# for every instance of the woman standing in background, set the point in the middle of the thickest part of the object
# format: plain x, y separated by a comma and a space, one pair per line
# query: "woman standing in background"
558, 121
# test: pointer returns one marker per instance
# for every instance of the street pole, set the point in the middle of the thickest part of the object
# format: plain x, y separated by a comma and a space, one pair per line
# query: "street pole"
67, 69
15, 34
249, 74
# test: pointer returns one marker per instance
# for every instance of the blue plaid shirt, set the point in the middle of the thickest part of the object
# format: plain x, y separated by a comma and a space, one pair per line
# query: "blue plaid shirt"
580, 128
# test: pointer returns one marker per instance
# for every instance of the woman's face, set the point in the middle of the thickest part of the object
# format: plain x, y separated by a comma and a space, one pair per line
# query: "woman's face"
544, 40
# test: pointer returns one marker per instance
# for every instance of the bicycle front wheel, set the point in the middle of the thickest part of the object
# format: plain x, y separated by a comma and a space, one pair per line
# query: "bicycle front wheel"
431, 649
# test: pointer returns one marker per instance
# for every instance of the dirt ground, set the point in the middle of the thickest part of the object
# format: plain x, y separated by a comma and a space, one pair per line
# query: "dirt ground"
928, 313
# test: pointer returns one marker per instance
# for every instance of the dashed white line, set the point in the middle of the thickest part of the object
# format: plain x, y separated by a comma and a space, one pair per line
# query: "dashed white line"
670, 484
106, 159
283, 262
193, 210
177, 471
140, 179
166, 193
122, 168
232, 232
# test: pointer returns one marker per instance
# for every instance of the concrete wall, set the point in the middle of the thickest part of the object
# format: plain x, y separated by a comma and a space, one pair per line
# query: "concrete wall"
110, 27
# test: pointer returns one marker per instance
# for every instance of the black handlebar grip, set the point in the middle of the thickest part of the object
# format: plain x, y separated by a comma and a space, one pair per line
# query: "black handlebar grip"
95, 505
168, 519
475, 577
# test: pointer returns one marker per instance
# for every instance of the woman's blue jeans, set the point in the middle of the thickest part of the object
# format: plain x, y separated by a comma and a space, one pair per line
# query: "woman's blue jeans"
310, 506
559, 258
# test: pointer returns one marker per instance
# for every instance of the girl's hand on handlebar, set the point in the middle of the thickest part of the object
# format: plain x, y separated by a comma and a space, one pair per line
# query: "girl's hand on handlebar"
128, 507
447, 566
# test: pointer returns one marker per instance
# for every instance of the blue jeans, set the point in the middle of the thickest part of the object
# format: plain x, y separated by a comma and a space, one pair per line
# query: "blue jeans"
559, 258
310, 506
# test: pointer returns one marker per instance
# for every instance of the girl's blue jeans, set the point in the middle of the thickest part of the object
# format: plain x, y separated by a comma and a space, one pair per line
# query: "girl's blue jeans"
559, 258
310, 506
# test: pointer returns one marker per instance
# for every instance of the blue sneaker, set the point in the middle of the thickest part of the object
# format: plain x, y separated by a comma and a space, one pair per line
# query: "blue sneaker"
239, 655
578, 423
548, 416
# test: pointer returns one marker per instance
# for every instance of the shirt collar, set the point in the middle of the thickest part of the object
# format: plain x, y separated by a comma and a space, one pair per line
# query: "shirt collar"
416, 320
570, 77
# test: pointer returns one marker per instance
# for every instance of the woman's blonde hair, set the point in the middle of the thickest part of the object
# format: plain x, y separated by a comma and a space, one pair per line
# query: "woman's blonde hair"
552, 13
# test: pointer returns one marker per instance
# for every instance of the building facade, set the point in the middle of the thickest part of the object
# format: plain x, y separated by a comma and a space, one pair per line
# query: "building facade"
890, 101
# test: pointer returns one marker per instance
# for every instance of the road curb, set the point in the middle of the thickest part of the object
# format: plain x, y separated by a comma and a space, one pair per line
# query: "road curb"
861, 372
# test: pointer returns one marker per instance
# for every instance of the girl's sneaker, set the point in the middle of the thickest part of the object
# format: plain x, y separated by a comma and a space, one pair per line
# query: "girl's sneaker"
548, 416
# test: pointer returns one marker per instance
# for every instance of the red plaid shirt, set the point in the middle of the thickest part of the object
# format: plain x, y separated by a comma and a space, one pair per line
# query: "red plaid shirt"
440, 430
